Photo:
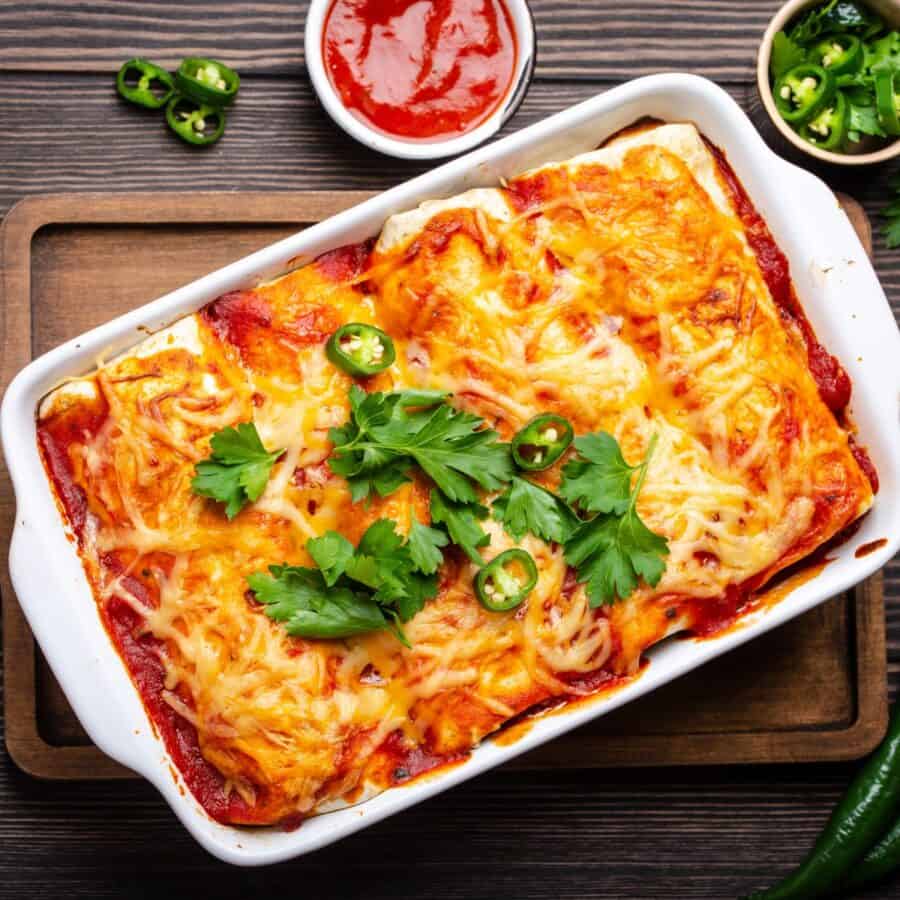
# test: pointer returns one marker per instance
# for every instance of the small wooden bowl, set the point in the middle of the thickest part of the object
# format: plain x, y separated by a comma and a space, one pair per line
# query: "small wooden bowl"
890, 11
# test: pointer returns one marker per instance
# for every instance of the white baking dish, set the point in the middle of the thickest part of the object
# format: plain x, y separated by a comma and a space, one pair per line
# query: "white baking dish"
840, 294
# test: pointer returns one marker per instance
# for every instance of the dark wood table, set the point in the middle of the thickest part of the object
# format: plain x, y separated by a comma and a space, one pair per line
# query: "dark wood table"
679, 833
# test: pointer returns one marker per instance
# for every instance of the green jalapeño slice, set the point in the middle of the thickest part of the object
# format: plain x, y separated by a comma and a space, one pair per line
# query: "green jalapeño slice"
829, 128
887, 100
541, 442
802, 92
145, 83
841, 54
506, 580
207, 81
360, 349
194, 122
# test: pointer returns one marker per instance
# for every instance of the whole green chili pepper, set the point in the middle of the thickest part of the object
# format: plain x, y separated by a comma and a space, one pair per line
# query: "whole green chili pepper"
861, 817
878, 863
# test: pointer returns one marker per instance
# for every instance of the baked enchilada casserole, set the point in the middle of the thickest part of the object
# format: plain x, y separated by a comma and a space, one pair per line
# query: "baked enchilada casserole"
343, 526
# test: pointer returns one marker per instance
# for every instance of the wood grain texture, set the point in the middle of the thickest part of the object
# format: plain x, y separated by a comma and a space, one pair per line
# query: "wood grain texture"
114, 252
575, 39
708, 832
278, 138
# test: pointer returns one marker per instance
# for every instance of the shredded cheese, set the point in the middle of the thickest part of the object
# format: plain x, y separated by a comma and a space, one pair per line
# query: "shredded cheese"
622, 296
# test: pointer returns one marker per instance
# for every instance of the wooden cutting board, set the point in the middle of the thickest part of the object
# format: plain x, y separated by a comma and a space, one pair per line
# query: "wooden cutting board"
814, 689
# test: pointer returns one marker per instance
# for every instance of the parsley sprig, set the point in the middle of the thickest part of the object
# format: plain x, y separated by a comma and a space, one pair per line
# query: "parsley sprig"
615, 549
891, 215
379, 584
462, 521
598, 480
388, 433
237, 470
527, 507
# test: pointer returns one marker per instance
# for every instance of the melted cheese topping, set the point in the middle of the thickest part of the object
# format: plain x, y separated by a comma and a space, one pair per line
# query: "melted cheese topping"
617, 290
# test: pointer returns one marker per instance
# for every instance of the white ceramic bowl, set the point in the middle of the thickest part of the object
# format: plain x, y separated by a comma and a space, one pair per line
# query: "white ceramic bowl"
890, 11
523, 27
840, 294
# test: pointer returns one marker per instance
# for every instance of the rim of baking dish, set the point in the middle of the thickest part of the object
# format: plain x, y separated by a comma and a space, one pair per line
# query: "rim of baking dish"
834, 278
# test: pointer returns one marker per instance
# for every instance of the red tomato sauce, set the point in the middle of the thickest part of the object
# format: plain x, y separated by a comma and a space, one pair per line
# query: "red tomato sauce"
421, 69
830, 377
139, 650
833, 382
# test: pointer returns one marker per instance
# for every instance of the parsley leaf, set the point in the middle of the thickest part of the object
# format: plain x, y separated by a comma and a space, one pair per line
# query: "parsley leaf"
612, 551
836, 16
308, 607
883, 53
377, 585
891, 231
237, 470
461, 522
525, 506
891, 214
785, 55
331, 552
863, 116
384, 563
599, 479
388, 433
425, 547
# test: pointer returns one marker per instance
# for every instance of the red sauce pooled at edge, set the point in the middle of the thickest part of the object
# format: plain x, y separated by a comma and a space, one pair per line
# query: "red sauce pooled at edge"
830, 377
423, 69
139, 650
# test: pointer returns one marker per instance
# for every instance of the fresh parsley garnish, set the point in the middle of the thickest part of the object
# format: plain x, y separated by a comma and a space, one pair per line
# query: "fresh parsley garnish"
376, 585
384, 563
525, 506
330, 552
308, 607
614, 550
598, 480
425, 545
462, 523
237, 470
836, 16
786, 54
389, 433
862, 117
891, 214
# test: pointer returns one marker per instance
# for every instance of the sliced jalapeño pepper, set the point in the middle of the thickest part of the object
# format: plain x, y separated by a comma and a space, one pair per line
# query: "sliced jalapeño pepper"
506, 580
841, 54
829, 128
887, 100
541, 442
207, 81
145, 83
194, 122
360, 349
802, 92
